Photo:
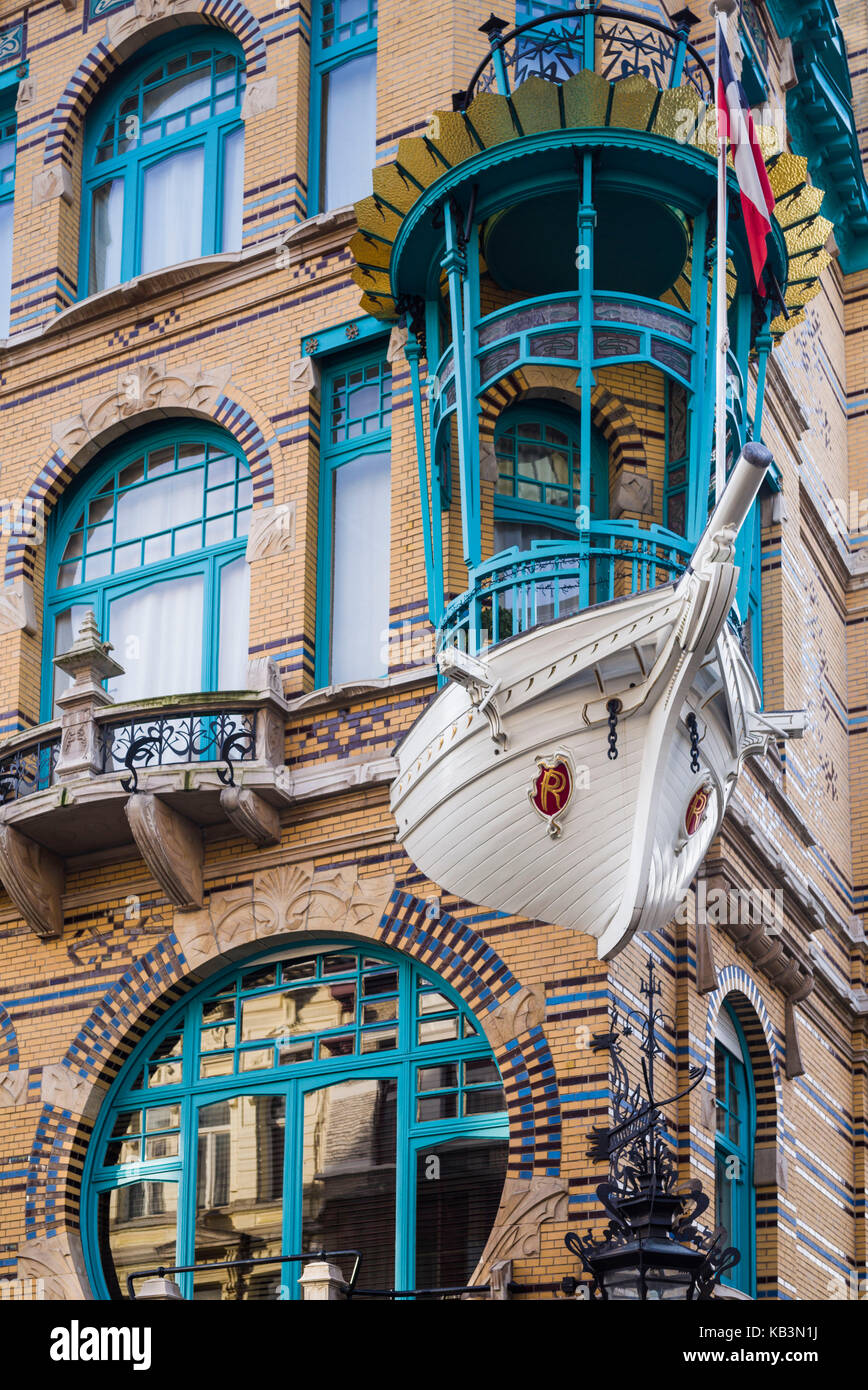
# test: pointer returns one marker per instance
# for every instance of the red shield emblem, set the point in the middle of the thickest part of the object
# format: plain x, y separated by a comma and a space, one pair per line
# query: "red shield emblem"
696, 809
552, 789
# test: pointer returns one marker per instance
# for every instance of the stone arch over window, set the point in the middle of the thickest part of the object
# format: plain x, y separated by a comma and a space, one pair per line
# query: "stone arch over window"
139, 396
609, 414
738, 994
128, 31
295, 904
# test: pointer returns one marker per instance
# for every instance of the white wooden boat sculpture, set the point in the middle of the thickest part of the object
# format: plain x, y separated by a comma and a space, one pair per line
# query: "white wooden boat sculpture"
506, 793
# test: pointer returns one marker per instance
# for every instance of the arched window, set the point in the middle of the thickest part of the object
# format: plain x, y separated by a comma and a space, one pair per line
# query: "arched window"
735, 1202
538, 486
152, 538
164, 162
333, 1097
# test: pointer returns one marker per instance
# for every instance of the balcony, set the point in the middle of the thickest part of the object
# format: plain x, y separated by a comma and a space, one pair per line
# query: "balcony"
175, 767
520, 590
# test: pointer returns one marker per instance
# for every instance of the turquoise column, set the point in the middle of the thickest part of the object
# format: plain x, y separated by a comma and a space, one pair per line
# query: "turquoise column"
585, 265
696, 400
455, 265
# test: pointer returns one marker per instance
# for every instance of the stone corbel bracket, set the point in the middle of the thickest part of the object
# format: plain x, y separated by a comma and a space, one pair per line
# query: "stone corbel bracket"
34, 879
171, 846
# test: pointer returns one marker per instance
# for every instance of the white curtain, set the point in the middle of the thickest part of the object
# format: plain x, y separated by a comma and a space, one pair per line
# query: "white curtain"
360, 573
349, 130
5, 265
172, 209
160, 505
106, 235
234, 625
233, 190
157, 637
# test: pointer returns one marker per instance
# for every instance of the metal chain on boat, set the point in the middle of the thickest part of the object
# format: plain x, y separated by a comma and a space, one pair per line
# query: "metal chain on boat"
694, 742
613, 706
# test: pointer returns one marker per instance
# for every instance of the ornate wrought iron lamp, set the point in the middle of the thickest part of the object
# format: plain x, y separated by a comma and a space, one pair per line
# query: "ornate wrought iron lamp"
653, 1247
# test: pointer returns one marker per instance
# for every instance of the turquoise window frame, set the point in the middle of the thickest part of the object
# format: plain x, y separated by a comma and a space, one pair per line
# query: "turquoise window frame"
334, 455
738, 1076
209, 561
525, 511
353, 39
748, 557
131, 165
673, 490
293, 1081
8, 132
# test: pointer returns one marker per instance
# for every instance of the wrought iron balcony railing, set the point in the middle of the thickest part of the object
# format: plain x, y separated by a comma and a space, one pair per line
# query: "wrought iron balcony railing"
221, 736
518, 590
615, 43
29, 765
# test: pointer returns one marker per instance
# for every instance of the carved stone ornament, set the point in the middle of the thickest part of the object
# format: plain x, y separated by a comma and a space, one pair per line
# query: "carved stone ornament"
397, 343
303, 377
259, 97
34, 880
523, 1010
125, 23
289, 898
53, 182
13, 1087
251, 815
89, 663
26, 93
634, 493
524, 1206
488, 465
150, 386
58, 1262
65, 1089
272, 532
171, 846
263, 676
17, 608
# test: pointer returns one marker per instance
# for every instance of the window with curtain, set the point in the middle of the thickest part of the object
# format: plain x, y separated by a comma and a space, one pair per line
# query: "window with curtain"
355, 520
164, 161
677, 422
152, 539
343, 102
7, 200
735, 1107
333, 1097
538, 485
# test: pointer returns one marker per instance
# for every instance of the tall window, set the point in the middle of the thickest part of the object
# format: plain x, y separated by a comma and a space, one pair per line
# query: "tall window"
164, 162
354, 527
736, 1127
539, 475
343, 102
675, 505
7, 199
331, 1098
153, 541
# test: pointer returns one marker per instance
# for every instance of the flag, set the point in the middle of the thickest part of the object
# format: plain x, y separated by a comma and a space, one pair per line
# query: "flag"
736, 122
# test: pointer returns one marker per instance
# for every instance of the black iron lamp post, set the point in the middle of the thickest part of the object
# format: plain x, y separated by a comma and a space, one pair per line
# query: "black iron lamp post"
652, 1247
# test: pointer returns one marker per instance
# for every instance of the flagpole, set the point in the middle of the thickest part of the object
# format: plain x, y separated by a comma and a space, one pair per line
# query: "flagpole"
720, 9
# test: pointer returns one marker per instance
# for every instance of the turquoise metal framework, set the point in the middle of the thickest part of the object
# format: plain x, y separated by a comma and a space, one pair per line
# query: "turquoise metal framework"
397, 1022
356, 420
8, 127
735, 1103
343, 31
99, 547
125, 140
583, 327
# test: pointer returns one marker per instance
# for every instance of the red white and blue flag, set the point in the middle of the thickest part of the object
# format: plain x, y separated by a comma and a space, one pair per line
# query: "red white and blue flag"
736, 122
